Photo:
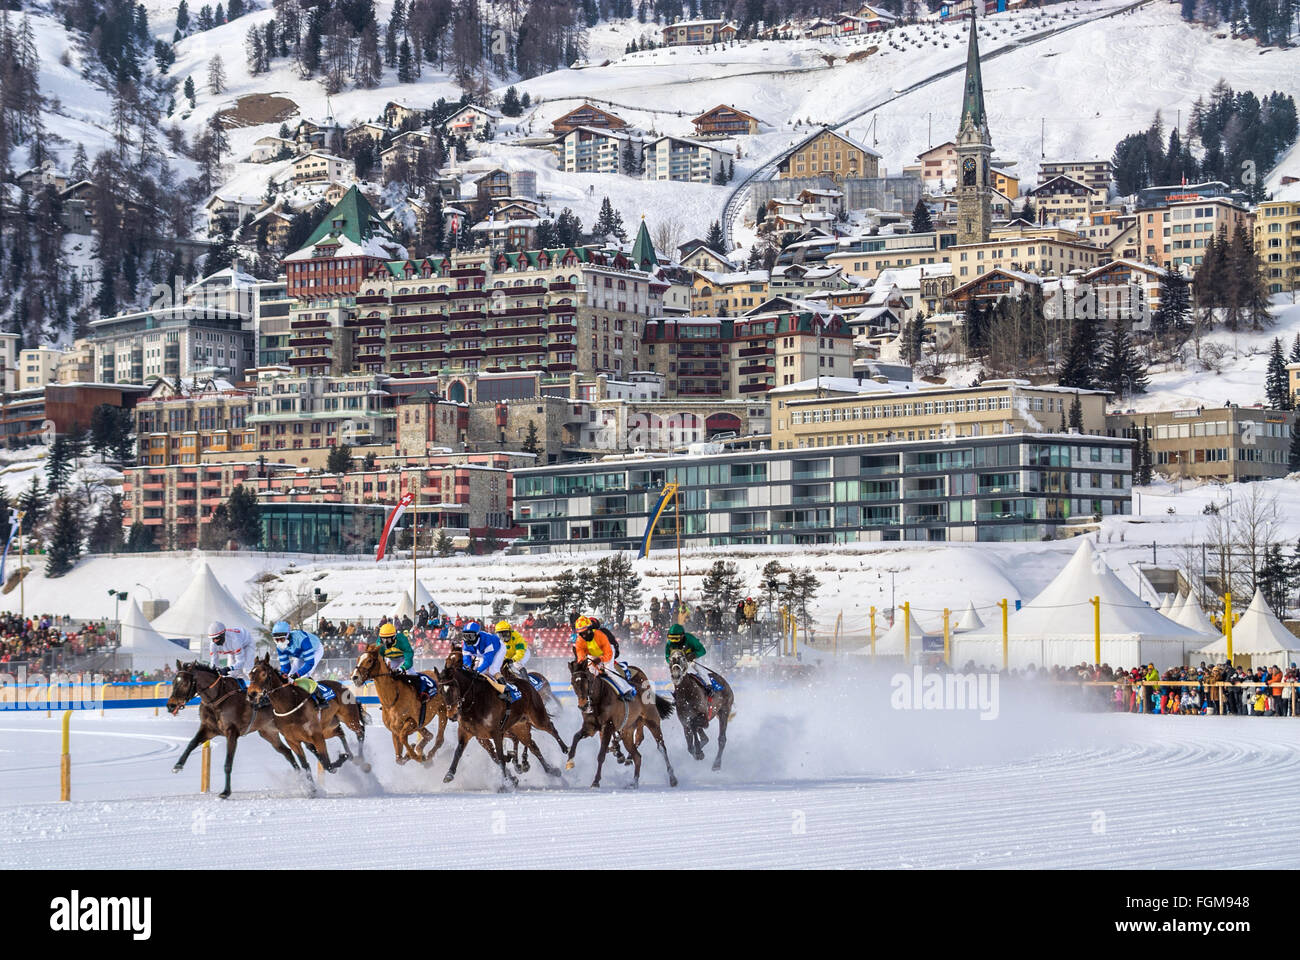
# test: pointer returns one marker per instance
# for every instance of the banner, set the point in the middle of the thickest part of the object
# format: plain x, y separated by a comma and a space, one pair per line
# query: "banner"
669, 491
14, 519
394, 515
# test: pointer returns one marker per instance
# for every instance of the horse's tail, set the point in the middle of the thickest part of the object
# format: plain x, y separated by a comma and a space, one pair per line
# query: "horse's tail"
664, 706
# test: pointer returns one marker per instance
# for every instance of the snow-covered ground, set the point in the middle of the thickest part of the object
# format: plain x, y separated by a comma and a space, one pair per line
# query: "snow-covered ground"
838, 779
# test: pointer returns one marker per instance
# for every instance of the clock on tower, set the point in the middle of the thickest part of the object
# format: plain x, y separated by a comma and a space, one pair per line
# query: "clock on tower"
968, 171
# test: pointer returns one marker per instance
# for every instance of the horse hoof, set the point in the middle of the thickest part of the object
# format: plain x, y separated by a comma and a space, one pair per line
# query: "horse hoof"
224, 794
633, 785
672, 781
365, 768
595, 785
568, 765
448, 778
717, 767
178, 768
402, 760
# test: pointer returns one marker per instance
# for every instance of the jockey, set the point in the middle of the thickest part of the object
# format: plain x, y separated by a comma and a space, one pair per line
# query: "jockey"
233, 643
517, 651
395, 647
484, 653
299, 652
593, 641
688, 643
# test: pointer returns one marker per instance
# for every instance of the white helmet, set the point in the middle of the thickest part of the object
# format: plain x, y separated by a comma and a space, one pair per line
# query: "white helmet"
217, 631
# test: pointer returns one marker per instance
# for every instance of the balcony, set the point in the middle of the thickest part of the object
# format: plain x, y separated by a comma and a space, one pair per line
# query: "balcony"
562, 308
308, 324
310, 342
891, 471
374, 298
754, 387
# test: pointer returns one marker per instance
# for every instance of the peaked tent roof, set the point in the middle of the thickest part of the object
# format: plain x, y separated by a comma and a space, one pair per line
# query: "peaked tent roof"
890, 643
148, 648
1167, 605
970, 620
203, 601
1064, 609
1193, 617
1259, 633
405, 608
972, 103
1180, 601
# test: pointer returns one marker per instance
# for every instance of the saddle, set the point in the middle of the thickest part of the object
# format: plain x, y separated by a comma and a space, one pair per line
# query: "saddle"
426, 688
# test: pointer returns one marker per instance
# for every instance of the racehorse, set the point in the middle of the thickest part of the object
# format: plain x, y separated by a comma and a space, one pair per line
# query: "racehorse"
223, 711
698, 705
299, 725
403, 711
604, 712
482, 715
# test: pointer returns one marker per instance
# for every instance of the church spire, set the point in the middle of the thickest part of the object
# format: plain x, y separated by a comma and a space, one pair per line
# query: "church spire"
972, 104
643, 250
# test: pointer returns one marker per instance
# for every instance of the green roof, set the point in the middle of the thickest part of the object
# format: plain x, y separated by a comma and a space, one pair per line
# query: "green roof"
972, 104
643, 251
352, 217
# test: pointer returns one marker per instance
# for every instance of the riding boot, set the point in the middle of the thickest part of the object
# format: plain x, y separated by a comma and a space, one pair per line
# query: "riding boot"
498, 686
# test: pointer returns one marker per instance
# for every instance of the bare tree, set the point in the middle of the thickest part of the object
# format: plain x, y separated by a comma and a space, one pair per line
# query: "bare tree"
216, 75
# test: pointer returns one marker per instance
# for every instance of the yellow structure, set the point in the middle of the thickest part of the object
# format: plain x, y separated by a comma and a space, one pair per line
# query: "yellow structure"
1277, 238
830, 154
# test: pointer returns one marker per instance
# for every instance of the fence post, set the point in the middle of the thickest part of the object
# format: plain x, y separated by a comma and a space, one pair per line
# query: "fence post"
157, 695
1003, 604
103, 696
65, 762
205, 767
1227, 621
1096, 631
907, 631
873, 634
947, 639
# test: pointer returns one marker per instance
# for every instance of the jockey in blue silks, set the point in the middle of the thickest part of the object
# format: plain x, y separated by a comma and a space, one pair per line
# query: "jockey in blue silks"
484, 653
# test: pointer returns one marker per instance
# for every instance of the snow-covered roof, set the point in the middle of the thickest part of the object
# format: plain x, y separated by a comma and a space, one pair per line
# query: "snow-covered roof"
845, 385
149, 649
203, 601
1259, 633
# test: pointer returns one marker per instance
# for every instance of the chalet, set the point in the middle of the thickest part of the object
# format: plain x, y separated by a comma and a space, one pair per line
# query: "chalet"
696, 32
375, 131
993, 285
1124, 288
1097, 174
272, 225
320, 167
267, 149
507, 233
406, 149
821, 28
705, 259
45, 175
872, 19
1062, 198
472, 121
724, 121
490, 187
829, 154
309, 136
587, 115
229, 210
399, 116
682, 160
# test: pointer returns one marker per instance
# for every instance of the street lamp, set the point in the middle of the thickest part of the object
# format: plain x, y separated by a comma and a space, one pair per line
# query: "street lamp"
118, 596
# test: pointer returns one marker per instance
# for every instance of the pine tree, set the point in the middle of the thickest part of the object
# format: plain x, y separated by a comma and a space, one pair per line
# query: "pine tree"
1293, 452
1122, 370
65, 543
530, 438
58, 464
1295, 350
921, 222
405, 67
714, 239
1172, 319
245, 516
1277, 386
1142, 457
182, 16
1076, 414
140, 539
33, 503
1077, 368
510, 105
339, 459
189, 90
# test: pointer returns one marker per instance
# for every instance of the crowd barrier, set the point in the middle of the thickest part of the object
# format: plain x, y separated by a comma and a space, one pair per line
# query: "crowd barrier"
1141, 688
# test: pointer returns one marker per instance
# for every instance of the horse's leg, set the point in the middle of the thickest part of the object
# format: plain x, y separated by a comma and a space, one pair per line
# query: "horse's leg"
199, 737
584, 731
658, 734
399, 748
273, 738
295, 743
627, 735
442, 726
550, 770
359, 731
232, 738
498, 741
722, 732
462, 739
425, 736
605, 733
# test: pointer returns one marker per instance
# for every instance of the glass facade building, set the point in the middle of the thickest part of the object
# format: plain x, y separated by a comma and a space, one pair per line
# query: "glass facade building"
322, 527
1004, 487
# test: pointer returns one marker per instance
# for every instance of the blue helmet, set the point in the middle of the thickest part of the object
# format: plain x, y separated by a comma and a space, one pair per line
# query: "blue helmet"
280, 632
472, 627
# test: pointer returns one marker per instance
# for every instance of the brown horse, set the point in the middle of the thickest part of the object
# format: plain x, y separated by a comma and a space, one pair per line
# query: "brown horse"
301, 721
481, 714
604, 712
403, 711
698, 705
224, 711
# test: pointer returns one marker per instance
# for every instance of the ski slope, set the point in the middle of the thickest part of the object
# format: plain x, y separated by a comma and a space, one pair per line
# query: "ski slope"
845, 783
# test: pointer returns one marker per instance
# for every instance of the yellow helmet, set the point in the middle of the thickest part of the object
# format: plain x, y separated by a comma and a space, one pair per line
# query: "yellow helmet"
504, 627
388, 630
583, 623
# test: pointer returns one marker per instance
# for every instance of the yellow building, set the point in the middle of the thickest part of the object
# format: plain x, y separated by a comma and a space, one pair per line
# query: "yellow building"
830, 154
1041, 255
1277, 238
1007, 184
840, 411
727, 294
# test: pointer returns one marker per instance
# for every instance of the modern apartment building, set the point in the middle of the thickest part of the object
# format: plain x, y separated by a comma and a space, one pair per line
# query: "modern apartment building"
177, 341
299, 413
682, 160
1277, 238
182, 422
1096, 174
1174, 235
1002, 487
593, 150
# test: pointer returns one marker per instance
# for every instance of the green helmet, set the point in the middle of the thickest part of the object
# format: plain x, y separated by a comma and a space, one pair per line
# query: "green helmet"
676, 630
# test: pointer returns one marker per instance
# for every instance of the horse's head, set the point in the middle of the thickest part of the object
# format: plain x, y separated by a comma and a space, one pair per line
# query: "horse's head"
453, 655
677, 665
262, 678
449, 688
372, 664
580, 677
183, 688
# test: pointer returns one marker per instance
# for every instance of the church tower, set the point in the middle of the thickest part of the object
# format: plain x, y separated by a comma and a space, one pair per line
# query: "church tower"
974, 148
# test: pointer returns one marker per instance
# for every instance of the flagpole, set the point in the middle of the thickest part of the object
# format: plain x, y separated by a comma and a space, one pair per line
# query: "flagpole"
415, 552
681, 597
22, 584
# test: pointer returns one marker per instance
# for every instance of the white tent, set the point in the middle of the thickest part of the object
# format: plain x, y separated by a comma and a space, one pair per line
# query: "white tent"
149, 649
1191, 615
1259, 639
405, 608
970, 620
890, 643
203, 601
1179, 602
1167, 605
1056, 627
